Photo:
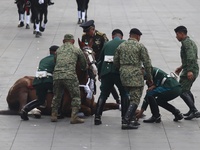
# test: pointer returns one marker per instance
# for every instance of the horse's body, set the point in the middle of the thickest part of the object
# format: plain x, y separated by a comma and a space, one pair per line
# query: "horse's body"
39, 10
22, 92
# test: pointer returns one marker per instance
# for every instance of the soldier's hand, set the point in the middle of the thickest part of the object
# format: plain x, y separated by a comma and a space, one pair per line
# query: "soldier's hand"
139, 114
178, 70
190, 75
151, 88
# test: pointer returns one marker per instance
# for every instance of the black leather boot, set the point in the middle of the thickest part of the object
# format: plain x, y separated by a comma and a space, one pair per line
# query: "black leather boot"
189, 100
154, 110
153, 119
189, 112
99, 111
127, 121
178, 115
28, 107
193, 115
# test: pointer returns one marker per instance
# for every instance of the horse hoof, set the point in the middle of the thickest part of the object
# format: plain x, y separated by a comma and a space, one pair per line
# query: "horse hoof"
42, 29
79, 21
21, 24
51, 3
34, 32
38, 34
27, 26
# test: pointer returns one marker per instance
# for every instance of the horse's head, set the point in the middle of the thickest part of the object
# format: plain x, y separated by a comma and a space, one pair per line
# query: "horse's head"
89, 54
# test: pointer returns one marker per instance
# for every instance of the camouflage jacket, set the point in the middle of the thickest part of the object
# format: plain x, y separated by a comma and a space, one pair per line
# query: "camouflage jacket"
98, 41
129, 57
66, 58
189, 56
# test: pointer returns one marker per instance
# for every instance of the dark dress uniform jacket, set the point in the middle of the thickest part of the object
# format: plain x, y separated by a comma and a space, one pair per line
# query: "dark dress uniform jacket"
46, 64
109, 50
98, 41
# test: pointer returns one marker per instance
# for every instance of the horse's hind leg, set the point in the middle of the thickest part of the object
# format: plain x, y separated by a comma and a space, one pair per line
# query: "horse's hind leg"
43, 24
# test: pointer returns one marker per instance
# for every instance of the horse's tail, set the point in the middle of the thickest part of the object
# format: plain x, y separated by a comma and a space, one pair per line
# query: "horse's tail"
9, 112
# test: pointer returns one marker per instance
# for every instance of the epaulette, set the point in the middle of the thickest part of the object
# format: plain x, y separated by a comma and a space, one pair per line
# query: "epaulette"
100, 33
83, 34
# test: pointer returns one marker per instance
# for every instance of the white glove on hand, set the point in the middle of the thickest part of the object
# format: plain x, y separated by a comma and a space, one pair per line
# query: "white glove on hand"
40, 1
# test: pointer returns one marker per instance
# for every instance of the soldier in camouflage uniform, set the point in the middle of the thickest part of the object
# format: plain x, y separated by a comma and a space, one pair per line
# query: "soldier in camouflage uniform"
98, 39
65, 77
129, 57
43, 82
189, 68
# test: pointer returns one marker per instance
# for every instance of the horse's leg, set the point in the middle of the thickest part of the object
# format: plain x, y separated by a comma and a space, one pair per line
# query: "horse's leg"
110, 106
86, 110
27, 10
44, 13
86, 8
21, 13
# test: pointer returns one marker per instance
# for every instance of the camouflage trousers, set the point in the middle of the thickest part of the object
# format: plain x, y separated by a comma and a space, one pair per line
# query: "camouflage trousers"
185, 83
135, 94
58, 88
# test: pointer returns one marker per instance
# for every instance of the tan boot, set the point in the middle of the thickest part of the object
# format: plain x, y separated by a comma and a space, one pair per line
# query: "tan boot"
74, 118
54, 117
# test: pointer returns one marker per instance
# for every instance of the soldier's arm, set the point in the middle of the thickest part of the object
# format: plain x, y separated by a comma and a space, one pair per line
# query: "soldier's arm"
116, 61
147, 63
101, 59
191, 55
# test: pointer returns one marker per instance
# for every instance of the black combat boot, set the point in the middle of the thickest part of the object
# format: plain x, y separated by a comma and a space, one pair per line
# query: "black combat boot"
127, 121
154, 110
189, 112
99, 111
153, 119
178, 116
188, 99
28, 107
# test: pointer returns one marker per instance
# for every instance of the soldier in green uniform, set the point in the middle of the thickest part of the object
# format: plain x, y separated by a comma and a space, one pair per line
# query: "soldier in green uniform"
65, 77
98, 39
164, 89
108, 74
43, 82
129, 57
189, 68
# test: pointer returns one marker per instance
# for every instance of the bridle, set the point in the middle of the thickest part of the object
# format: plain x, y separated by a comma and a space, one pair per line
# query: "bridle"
91, 60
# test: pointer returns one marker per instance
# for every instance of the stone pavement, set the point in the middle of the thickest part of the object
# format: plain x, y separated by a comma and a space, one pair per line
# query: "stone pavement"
20, 53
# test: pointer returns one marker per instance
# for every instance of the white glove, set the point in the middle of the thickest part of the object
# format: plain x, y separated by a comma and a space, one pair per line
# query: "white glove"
40, 1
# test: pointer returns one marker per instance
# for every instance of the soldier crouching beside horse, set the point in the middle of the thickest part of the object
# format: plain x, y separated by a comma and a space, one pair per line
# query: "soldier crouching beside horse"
43, 82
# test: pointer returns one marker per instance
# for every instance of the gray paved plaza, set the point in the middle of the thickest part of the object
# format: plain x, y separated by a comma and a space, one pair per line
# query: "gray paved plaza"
20, 53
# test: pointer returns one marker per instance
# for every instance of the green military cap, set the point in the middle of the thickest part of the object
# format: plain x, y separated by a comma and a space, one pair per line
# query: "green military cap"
53, 48
68, 37
180, 28
135, 31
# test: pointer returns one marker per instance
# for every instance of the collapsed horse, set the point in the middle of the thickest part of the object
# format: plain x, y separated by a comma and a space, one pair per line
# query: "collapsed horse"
22, 92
